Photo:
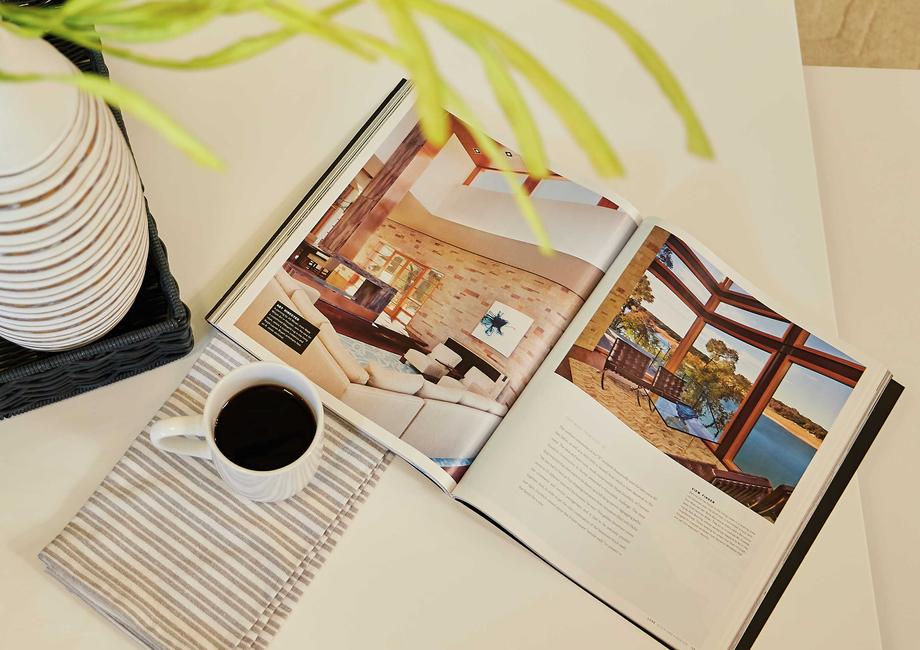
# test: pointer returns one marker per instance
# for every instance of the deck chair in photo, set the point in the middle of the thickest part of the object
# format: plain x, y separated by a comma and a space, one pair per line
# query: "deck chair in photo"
668, 385
704, 470
772, 504
746, 489
630, 363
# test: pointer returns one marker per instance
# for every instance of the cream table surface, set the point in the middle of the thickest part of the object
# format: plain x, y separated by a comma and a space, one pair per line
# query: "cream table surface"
414, 570
866, 131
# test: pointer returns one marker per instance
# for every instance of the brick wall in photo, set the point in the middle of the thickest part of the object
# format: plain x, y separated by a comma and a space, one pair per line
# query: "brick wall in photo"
625, 284
471, 284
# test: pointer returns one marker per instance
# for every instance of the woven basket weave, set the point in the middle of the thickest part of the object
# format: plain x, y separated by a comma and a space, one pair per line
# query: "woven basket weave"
155, 330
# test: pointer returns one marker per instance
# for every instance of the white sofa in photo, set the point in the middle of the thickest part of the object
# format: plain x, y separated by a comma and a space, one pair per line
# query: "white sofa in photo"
443, 421
436, 363
439, 363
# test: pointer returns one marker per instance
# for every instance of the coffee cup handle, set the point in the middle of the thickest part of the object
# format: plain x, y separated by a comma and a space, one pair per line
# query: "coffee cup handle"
181, 435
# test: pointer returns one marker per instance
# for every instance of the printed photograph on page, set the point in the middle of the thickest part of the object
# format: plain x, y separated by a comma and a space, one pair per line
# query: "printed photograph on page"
726, 387
421, 298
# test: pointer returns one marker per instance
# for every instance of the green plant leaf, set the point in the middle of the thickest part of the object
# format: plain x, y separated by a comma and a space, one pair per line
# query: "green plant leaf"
289, 14
697, 140
515, 108
76, 7
576, 118
338, 7
130, 102
503, 59
245, 48
424, 72
23, 20
457, 106
23, 31
155, 15
151, 29
294, 16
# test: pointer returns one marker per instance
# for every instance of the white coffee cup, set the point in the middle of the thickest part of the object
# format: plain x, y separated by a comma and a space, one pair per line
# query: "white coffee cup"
193, 435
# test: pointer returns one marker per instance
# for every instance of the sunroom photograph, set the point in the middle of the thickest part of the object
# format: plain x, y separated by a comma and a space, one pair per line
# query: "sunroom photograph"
718, 381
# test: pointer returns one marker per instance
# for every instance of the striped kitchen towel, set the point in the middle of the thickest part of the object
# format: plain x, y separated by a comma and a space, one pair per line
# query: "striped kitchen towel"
166, 552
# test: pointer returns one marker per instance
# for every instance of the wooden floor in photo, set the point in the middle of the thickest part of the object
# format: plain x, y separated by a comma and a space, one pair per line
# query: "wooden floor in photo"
618, 398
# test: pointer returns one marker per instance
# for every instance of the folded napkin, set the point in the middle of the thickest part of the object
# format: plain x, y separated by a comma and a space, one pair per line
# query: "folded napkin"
166, 552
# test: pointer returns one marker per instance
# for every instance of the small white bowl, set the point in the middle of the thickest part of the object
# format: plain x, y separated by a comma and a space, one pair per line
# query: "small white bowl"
125, 236
56, 290
40, 210
22, 289
21, 238
83, 320
69, 307
98, 293
69, 230
71, 149
67, 264
77, 339
49, 108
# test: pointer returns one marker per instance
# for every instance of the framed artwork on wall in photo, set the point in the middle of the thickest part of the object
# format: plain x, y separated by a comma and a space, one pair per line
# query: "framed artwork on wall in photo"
502, 327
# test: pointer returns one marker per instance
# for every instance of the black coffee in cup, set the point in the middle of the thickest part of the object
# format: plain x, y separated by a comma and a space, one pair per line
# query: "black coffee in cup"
264, 428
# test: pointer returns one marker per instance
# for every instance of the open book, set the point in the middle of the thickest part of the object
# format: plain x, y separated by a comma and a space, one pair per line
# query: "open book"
629, 408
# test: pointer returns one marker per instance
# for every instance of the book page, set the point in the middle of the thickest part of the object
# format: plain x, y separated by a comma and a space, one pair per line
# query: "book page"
672, 446
416, 296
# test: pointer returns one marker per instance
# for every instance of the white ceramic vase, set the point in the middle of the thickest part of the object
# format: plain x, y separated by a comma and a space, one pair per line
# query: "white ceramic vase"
73, 227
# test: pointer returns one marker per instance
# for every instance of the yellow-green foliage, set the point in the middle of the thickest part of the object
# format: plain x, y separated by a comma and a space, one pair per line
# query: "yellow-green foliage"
115, 26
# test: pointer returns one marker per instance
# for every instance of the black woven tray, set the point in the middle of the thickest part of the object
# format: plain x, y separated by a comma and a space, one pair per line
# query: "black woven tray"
155, 330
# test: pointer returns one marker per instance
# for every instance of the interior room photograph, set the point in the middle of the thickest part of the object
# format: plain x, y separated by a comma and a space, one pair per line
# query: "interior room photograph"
434, 301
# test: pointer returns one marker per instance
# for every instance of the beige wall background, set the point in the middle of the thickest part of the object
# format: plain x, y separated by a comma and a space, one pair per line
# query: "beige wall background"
860, 33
